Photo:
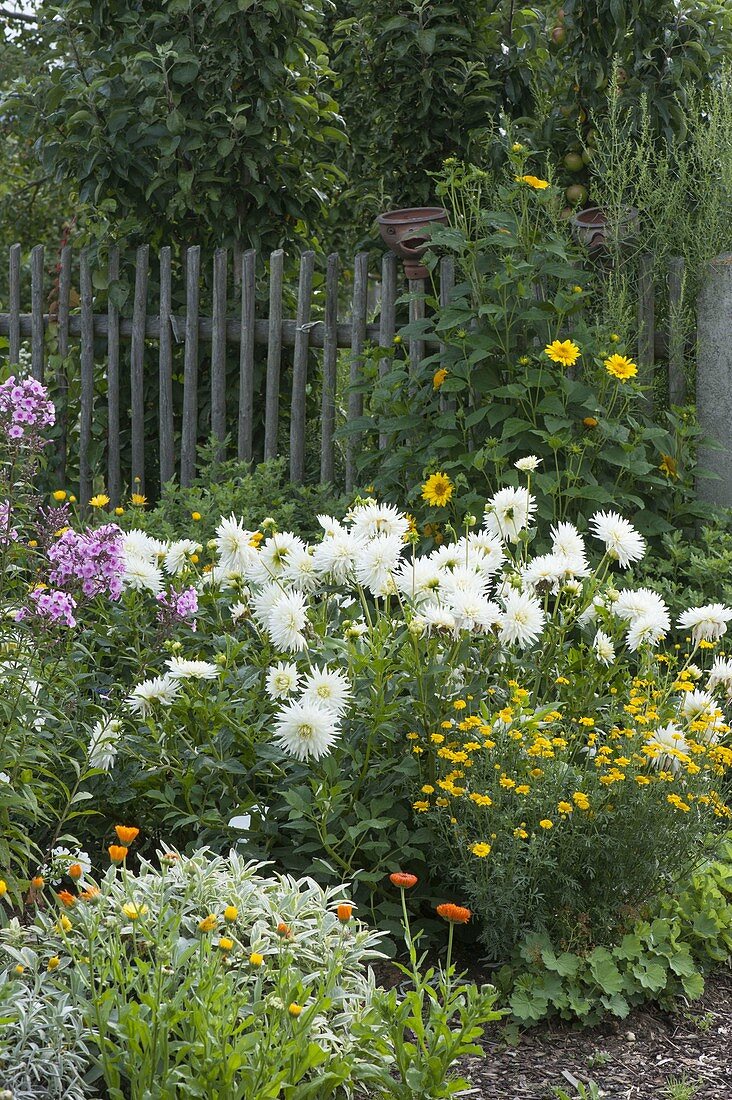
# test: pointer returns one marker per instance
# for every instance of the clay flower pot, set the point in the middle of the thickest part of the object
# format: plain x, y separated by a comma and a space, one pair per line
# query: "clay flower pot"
404, 232
592, 228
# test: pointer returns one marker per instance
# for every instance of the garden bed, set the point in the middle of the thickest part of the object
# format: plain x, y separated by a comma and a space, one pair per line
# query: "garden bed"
631, 1059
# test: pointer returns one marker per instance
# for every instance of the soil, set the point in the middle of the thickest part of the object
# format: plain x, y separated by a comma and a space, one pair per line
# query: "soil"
631, 1059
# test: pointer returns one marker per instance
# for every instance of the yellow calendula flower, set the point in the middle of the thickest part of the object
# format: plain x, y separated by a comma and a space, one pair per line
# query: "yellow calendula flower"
59, 494
563, 351
256, 959
256, 539
195, 516
438, 378
101, 500
294, 1009
545, 823
620, 367
421, 807
134, 911
231, 913
138, 500
225, 944
533, 181
565, 808
481, 850
520, 834
668, 466
63, 924
437, 490
119, 511
207, 924
53, 963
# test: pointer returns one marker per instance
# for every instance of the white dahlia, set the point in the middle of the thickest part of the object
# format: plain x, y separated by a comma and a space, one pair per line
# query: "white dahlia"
305, 731
622, 542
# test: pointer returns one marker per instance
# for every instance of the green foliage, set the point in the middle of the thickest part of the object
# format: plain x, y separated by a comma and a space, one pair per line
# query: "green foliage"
420, 83
224, 111
520, 287
663, 954
233, 487
691, 571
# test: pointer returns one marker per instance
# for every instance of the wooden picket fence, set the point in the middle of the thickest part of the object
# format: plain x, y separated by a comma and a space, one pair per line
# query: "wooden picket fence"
121, 336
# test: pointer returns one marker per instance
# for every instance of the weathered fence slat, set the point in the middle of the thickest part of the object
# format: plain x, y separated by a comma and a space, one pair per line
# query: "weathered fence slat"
358, 338
137, 369
165, 370
447, 285
416, 313
114, 468
330, 369
274, 355
387, 322
676, 374
189, 434
646, 325
218, 349
62, 377
245, 435
300, 369
14, 304
86, 411
37, 341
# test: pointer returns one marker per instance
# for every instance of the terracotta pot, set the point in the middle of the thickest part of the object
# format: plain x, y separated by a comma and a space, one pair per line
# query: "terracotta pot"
404, 232
591, 227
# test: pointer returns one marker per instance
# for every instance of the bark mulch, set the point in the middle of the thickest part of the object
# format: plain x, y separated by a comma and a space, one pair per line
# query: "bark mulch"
630, 1059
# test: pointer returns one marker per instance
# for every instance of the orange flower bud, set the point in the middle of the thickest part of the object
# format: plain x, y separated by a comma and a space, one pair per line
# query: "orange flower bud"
75, 870
403, 879
126, 834
117, 853
66, 898
344, 913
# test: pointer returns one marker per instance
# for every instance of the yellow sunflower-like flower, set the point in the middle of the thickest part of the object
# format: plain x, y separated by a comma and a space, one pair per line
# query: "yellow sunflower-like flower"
438, 378
533, 181
138, 500
668, 466
101, 500
437, 490
481, 850
620, 367
565, 352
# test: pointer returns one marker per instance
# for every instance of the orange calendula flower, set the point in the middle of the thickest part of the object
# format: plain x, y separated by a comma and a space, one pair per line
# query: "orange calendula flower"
403, 879
38, 882
294, 1009
117, 853
284, 930
438, 378
344, 913
66, 898
90, 894
455, 914
590, 422
563, 351
126, 834
75, 871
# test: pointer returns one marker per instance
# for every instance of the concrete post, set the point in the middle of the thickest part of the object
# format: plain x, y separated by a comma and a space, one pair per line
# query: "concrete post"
714, 380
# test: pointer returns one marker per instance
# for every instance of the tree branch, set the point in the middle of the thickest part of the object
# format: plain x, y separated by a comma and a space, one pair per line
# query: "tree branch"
21, 16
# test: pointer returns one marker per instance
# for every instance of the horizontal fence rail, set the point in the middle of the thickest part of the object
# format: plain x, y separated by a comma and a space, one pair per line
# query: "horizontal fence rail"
206, 338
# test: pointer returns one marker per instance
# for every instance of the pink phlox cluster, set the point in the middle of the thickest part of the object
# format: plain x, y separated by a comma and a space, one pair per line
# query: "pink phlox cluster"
177, 606
7, 533
91, 559
25, 411
51, 604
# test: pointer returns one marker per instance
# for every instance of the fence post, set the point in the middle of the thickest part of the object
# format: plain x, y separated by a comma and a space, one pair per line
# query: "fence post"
330, 371
218, 351
300, 369
189, 433
246, 355
114, 469
37, 337
714, 380
87, 380
137, 369
358, 337
62, 377
387, 319
165, 370
676, 376
274, 355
